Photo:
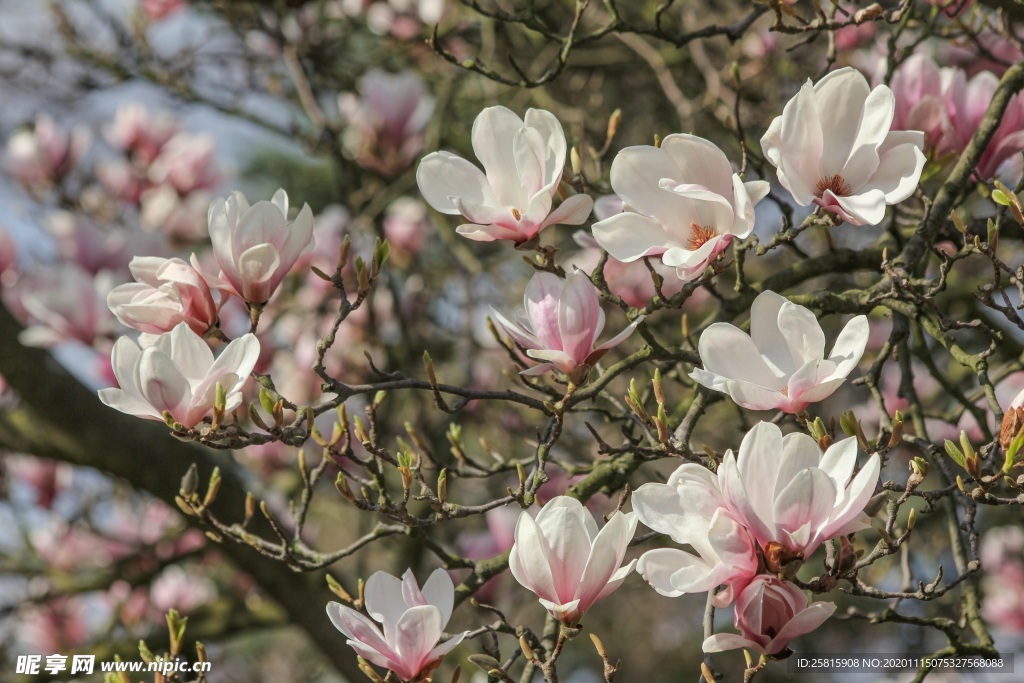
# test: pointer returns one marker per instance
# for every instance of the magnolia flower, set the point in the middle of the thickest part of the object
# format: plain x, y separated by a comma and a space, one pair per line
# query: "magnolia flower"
44, 154
166, 292
186, 163
256, 246
157, 10
385, 123
1002, 557
685, 204
790, 496
919, 100
967, 101
412, 619
769, 614
511, 199
691, 511
566, 561
833, 147
63, 305
781, 364
178, 374
183, 218
560, 325
140, 132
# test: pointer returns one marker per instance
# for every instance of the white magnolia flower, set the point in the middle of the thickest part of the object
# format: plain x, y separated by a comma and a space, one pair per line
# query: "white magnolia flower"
781, 364
683, 203
788, 493
512, 198
833, 147
178, 374
412, 620
566, 561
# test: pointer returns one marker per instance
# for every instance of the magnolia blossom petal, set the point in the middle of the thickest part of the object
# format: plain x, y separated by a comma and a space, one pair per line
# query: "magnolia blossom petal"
628, 236
575, 210
727, 351
442, 176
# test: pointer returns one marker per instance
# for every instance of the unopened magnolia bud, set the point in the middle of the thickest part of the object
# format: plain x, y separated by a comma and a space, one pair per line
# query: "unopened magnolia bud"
869, 13
525, 647
576, 161
189, 482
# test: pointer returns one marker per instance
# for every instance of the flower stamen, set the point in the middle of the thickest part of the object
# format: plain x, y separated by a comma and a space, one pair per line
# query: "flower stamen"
700, 235
836, 183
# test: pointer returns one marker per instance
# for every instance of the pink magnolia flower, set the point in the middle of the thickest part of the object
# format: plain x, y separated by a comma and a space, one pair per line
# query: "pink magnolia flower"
385, 124
833, 146
186, 163
166, 292
413, 621
781, 364
769, 614
178, 374
689, 508
158, 10
256, 246
854, 35
94, 249
684, 205
560, 325
65, 304
407, 226
566, 561
140, 132
184, 218
45, 154
790, 496
1002, 558
121, 179
966, 104
181, 591
917, 85
512, 198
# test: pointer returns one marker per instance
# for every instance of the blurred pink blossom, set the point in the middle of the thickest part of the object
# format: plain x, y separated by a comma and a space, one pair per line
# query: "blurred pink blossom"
96, 249
140, 132
46, 478
186, 163
45, 154
1002, 559
176, 589
158, 10
164, 210
920, 102
65, 303
385, 122
406, 227
966, 104
58, 625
